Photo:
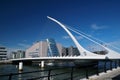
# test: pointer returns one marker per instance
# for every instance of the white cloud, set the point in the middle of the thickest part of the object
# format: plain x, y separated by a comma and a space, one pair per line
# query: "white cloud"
23, 45
77, 37
96, 27
66, 37
24, 40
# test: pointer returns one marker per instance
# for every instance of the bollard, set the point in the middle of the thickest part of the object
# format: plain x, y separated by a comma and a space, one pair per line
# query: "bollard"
20, 66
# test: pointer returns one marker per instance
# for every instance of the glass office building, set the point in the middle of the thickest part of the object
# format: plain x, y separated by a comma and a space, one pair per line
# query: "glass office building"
44, 48
52, 48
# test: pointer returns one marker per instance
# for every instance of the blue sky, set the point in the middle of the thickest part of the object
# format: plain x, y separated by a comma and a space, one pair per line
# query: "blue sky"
23, 22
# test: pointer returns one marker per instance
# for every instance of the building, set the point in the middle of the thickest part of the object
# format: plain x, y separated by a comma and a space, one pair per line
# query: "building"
37, 49
65, 51
70, 51
14, 55
3, 53
52, 49
44, 49
18, 54
59, 47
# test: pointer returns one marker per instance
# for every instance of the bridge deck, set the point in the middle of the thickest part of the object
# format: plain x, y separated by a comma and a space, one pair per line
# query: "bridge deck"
62, 58
101, 57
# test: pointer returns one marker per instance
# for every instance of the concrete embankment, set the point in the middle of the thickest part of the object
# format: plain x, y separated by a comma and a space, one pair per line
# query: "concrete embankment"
106, 76
6, 62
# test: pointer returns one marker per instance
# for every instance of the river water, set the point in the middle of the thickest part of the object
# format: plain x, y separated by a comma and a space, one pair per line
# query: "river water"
78, 73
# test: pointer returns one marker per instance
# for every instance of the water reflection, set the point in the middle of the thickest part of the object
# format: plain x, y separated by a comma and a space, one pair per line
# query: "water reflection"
43, 74
20, 75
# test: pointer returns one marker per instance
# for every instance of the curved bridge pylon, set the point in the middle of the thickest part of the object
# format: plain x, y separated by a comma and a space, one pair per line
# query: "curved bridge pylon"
83, 52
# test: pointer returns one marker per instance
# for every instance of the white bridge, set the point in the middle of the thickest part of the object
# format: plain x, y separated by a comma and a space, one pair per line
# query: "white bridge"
84, 54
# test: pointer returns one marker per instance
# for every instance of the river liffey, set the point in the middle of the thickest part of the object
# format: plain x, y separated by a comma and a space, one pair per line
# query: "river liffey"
78, 72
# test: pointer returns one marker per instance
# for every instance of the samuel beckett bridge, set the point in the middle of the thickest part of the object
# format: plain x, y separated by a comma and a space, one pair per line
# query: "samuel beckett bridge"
85, 58
85, 55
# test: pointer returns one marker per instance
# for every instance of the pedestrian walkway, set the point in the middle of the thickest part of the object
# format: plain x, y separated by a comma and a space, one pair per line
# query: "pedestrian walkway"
109, 75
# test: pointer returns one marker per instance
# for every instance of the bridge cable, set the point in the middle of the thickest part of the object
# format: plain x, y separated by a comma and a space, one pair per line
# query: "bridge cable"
87, 38
108, 49
95, 38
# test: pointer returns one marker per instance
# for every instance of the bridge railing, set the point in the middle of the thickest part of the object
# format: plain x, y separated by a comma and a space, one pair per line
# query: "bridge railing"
70, 72
49, 75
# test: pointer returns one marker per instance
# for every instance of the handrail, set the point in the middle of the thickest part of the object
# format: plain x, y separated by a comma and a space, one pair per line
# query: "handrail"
70, 70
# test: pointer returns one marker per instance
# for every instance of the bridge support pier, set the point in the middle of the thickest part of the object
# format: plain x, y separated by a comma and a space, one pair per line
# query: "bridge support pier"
20, 66
42, 64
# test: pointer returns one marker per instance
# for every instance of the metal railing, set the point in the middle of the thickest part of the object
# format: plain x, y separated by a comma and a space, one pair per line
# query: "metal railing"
70, 71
